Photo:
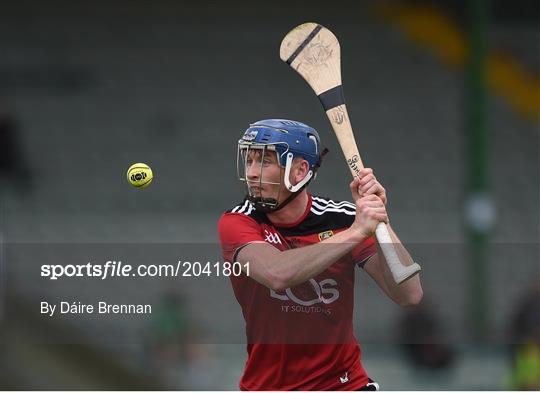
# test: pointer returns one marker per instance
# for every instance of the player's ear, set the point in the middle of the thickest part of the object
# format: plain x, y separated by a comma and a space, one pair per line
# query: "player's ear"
302, 169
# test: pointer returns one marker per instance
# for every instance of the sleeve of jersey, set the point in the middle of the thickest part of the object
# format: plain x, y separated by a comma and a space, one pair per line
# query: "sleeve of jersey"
364, 250
236, 231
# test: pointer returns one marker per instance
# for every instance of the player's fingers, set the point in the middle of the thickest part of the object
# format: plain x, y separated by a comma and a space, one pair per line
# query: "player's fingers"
374, 213
369, 204
366, 206
374, 205
373, 209
362, 189
377, 213
374, 188
364, 171
354, 183
354, 189
381, 217
366, 179
370, 197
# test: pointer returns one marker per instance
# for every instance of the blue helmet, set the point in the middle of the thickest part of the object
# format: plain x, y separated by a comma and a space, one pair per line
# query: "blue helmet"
286, 136
290, 140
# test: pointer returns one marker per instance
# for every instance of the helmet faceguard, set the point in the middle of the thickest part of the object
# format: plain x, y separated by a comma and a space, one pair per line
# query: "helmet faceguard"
268, 203
288, 140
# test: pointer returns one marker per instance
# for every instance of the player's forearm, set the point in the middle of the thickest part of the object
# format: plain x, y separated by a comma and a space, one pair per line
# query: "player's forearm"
408, 293
293, 267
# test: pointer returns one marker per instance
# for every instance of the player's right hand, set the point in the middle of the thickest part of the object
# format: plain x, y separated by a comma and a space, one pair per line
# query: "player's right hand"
365, 183
370, 211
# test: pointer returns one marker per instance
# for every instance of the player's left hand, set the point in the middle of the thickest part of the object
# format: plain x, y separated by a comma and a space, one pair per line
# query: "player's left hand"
366, 184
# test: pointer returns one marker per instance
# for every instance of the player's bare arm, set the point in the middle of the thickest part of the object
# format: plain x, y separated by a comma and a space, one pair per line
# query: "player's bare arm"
408, 293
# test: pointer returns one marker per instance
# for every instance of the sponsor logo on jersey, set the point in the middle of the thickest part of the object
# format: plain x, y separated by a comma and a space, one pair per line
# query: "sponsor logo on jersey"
325, 235
344, 378
325, 292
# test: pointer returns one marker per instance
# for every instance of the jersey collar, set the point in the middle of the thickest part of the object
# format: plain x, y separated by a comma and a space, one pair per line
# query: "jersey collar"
297, 222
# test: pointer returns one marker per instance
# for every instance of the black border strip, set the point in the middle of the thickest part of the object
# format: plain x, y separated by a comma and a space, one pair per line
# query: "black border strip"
303, 44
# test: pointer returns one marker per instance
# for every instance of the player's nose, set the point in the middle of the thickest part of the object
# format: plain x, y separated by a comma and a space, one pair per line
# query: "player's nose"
253, 171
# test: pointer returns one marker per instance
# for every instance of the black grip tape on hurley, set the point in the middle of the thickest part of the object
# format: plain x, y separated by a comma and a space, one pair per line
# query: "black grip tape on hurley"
332, 98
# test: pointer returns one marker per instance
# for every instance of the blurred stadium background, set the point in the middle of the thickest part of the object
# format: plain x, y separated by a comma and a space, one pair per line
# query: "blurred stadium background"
86, 89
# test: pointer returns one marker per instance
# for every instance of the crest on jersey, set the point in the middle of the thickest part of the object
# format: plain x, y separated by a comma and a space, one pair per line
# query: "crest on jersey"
325, 235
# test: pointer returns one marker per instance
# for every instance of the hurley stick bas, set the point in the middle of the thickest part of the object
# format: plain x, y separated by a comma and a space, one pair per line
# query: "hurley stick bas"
314, 52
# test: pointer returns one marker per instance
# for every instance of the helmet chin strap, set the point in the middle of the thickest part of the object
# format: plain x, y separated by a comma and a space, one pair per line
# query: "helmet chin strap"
288, 167
288, 200
270, 205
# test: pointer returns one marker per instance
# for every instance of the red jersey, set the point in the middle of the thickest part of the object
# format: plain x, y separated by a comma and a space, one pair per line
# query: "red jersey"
301, 338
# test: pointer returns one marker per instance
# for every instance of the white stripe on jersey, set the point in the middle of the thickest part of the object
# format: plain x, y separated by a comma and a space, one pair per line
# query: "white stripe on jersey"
242, 208
331, 206
325, 202
235, 210
320, 207
332, 209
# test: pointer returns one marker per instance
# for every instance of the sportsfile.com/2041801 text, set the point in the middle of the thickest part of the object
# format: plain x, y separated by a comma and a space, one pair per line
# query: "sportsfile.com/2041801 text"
120, 269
